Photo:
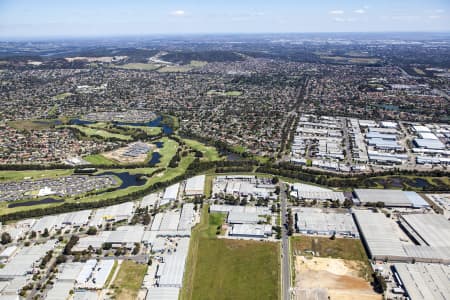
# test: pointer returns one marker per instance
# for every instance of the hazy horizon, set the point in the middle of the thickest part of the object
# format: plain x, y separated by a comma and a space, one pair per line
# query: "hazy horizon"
46, 19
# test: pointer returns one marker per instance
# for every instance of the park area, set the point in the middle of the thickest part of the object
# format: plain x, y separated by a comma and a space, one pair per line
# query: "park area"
335, 268
220, 268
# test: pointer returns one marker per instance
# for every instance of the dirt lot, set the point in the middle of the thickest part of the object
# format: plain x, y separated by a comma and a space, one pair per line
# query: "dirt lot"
339, 277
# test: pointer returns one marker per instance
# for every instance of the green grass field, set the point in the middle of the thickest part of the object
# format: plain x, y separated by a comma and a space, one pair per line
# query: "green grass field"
224, 93
98, 159
182, 68
146, 129
167, 151
325, 247
33, 174
129, 280
32, 124
99, 132
62, 96
139, 66
209, 153
229, 269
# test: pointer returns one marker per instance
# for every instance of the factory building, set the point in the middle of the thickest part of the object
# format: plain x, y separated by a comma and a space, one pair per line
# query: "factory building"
251, 230
163, 293
428, 237
378, 236
170, 194
195, 186
170, 273
423, 281
325, 222
390, 198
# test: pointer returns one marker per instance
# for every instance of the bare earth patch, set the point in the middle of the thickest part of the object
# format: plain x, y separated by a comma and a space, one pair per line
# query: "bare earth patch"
338, 277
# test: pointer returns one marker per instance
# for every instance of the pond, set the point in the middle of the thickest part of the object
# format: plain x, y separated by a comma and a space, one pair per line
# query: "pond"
80, 122
127, 179
155, 159
167, 130
419, 183
230, 155
35, 202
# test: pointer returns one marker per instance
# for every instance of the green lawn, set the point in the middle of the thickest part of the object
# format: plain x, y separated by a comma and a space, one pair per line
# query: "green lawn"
146, 129
209, 153
32, 124
139, 66
34, 174
339, 248
62, 96
225, 93
167, 151
182, 68
129, 280
229, 269
99, 132
98, 159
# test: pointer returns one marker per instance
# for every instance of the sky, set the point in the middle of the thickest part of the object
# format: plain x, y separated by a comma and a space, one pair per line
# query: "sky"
85, 18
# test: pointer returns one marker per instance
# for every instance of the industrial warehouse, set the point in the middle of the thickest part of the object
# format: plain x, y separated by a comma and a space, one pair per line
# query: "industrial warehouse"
245, 221
423, 281
419, 238
311, 192
243, 186
326, 222
389, 198
195, 186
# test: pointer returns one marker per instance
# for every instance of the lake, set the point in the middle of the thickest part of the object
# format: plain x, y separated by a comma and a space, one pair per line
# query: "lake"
127, 179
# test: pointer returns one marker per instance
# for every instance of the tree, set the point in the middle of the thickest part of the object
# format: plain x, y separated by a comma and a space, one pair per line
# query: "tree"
6, 238
92, 230
333, 237
146, 219
61, 259
45, 233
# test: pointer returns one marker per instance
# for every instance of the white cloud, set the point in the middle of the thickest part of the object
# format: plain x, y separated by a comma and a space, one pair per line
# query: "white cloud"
336, 12
359, 11
434, 17
178, 13
439, 11
344, 20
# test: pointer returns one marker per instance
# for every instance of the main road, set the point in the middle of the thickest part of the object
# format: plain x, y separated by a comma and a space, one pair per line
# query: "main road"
285, 263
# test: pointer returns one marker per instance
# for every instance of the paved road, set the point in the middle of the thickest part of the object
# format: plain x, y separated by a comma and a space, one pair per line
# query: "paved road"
285, 265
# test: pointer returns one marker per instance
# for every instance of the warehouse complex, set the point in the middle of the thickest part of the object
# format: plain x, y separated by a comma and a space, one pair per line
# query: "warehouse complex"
325, 222
390, 198
195, 186
311, 192
426, 240
424, 281
243, 186
245, 221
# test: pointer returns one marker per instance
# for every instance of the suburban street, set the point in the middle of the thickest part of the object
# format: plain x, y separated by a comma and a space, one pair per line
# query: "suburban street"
285, 266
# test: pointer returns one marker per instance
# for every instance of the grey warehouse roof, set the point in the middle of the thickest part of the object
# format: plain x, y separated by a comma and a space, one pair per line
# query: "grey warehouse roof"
389, 197
425, 281
379, 235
